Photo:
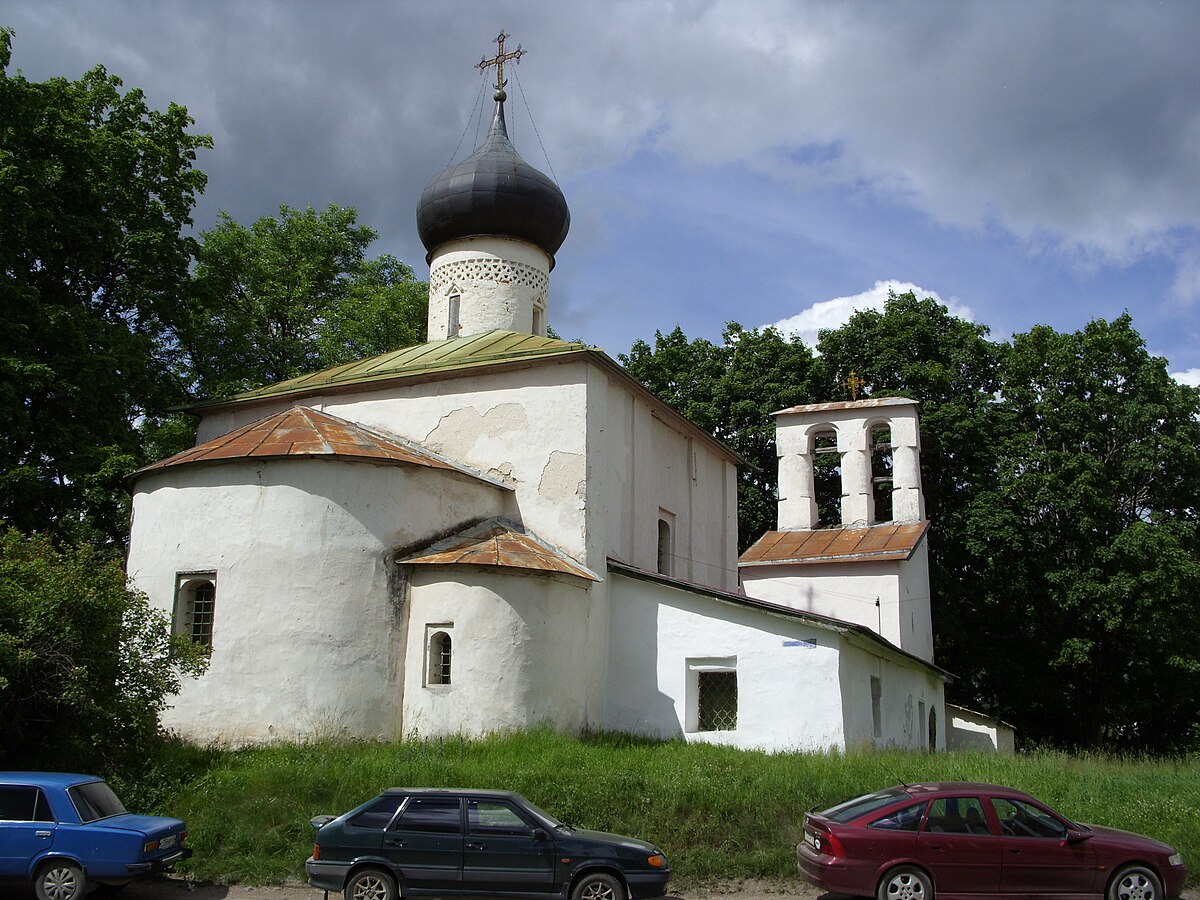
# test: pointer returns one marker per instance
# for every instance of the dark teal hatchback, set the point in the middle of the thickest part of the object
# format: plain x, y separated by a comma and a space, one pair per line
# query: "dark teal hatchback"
465, 843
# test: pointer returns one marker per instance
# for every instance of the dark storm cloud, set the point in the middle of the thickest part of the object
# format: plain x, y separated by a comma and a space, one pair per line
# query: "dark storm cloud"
1072, 126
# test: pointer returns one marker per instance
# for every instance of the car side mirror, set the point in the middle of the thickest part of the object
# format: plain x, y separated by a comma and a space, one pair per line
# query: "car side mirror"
1074, 836
539, 834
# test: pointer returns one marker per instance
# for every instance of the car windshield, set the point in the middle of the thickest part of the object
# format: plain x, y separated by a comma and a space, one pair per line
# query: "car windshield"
544, 816
860, 806
95, 800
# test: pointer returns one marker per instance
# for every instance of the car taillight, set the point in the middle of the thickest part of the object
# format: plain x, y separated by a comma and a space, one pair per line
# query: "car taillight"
150, 847
828, 843
316, 851
656, 861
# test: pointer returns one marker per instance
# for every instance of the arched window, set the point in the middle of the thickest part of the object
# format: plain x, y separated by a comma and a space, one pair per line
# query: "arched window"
665, 551
439, 658
881, 472
827, 479
195, 607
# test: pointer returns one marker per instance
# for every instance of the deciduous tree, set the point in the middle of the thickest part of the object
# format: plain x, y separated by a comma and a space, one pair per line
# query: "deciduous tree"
95, 189
292, 294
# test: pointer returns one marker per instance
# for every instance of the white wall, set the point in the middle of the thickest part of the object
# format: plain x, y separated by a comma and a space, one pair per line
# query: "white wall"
640, 464
848, 591
788, 689
306, 613
516, 642
970, 730
905, 687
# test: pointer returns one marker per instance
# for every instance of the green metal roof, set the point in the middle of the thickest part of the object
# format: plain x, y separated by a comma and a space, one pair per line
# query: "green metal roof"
436, 357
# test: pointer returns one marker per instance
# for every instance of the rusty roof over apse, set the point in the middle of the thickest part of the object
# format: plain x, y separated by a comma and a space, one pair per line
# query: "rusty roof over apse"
498, 543
304, 432
876, 543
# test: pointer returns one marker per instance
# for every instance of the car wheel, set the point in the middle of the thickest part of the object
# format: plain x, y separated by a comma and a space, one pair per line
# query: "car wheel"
905, 883
370, 884
598, 886
1135, 883
60, 880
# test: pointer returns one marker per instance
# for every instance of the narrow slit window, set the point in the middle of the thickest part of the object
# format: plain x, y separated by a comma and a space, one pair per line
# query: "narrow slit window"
453, 304
665, 553
439, 658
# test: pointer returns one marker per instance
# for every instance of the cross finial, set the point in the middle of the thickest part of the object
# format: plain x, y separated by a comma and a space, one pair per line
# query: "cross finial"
500, 59
853, 383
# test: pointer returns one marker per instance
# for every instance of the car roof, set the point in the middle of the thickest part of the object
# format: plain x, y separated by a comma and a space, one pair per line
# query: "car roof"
456, 792
47, 779
958, 787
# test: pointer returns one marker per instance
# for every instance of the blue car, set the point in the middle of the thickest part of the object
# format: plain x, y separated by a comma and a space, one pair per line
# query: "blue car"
66, 833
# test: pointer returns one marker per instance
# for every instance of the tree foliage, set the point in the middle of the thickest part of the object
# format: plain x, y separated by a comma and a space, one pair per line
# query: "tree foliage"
1087, 545
294, 294
1062, 477
730, 391
95, 189
86, 665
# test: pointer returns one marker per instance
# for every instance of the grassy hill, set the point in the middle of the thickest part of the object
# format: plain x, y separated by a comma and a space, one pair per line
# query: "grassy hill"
718, 813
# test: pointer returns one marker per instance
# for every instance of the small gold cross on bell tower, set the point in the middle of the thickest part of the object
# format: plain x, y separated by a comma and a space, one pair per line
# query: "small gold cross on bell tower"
854, 383
500, 59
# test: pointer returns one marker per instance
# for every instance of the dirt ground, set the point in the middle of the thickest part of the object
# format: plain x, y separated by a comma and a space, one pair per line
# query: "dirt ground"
175, 888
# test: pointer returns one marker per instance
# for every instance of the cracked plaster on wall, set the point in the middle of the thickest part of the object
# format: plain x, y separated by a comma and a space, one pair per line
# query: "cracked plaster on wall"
562, 478
459, 431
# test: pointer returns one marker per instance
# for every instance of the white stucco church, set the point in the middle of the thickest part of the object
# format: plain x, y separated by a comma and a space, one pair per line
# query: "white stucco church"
498, 529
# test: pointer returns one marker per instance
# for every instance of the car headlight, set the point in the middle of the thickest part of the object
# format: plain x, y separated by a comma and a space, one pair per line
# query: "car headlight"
1175, 859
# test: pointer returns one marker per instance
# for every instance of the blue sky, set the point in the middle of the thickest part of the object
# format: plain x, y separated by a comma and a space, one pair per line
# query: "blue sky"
764, 162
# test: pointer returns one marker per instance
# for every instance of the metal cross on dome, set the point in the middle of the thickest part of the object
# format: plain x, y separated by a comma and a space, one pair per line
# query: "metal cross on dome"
500, 59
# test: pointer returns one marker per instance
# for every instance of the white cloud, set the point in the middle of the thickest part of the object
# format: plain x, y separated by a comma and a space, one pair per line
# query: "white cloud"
836, 312
1189, 377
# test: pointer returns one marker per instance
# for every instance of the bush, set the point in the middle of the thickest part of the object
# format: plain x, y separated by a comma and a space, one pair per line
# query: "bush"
85, 664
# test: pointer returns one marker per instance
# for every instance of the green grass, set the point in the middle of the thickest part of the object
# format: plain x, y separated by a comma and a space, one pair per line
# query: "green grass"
718, 813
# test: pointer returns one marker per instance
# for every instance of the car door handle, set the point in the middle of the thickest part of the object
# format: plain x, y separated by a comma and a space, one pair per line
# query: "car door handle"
394, 842
42, 833
476, 846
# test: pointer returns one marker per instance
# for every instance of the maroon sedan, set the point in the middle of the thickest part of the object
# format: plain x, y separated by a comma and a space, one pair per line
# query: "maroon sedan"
962, 840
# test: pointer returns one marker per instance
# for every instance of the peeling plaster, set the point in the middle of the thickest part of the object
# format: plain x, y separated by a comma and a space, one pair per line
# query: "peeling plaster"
563, 478
458, 432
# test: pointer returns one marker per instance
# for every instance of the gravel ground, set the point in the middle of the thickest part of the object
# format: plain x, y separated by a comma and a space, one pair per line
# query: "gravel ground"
175, 888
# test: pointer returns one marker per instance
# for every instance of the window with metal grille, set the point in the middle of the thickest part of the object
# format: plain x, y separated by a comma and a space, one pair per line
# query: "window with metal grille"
718, 696
439, 658
196, 606
203, 605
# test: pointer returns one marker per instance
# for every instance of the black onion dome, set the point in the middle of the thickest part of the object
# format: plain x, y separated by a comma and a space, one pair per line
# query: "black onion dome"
493, 192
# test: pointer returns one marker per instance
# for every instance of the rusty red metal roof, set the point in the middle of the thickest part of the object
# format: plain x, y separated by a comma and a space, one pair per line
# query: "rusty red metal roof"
499, 543
304, 432
836, 545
